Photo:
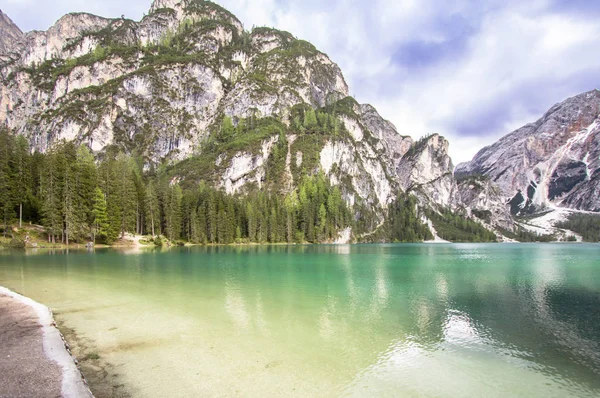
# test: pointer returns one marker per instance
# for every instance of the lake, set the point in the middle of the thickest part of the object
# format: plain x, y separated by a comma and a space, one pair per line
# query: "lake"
447, 320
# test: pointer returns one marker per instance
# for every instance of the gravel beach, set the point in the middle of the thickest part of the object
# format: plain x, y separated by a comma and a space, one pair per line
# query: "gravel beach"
33, 359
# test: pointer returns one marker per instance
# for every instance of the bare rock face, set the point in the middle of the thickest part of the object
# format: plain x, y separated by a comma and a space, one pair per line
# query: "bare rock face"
366, 159
43, 46
554, 161
482, 199
10, 34
159, 85
427, 170
395, 145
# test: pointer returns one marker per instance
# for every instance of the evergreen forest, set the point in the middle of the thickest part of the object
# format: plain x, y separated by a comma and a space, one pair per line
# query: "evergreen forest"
78, 198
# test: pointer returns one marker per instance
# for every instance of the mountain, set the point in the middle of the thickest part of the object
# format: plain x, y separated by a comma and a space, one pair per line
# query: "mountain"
427, 172
159, 84
189, 92
554, 162
10, 34
189, 88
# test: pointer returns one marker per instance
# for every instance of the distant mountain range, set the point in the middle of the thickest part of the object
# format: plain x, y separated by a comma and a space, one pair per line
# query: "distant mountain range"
189, 88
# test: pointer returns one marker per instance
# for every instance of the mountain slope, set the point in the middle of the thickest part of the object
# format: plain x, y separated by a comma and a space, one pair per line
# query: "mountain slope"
426, 170
188, 91
157, 85
10, 34
187, 86
552, 162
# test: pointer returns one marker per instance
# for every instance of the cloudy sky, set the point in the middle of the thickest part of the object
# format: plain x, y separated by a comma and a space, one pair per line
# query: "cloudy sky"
470, 70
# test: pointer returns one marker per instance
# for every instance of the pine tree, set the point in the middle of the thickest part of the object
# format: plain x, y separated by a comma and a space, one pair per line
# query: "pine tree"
173, 212
273, 226
195, 231
152, 208
211, 218
140, 202
252, 221
227, 129
322, 222
51, 195
201, 224
100, 228
117, 175
290, 205
310, 119
222, 226
7, 179
68, 204
126, 198
230, 220
22, 175
85, 180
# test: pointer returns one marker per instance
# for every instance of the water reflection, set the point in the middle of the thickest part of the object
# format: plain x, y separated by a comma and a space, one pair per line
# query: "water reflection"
494, 320
236, 306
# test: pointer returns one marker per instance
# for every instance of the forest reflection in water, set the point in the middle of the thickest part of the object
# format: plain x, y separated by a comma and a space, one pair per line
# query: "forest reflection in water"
330, 320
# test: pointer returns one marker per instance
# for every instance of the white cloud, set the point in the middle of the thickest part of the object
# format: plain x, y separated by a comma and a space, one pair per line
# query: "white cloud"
511, 54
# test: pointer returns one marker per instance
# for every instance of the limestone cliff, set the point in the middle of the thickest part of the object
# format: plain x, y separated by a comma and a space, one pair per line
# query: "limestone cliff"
427, 170
189, 87
10, 34
552, 162
158, 84
163, 87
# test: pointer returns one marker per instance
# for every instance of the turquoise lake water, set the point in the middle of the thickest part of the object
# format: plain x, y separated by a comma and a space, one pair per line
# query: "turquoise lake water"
443, 320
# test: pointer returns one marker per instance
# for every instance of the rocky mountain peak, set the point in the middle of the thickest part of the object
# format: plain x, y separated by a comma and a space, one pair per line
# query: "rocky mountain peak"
432, 148
395, 144
9, 34
552, 161
41, 46
74, 24
426, 169
169, 78
158, 4
195, 10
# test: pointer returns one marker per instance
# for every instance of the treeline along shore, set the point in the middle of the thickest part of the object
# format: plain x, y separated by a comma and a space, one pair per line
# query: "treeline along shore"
78, 197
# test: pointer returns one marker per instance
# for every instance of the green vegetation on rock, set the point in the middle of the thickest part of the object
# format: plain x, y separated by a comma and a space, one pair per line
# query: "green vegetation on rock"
586, 225
402, 223
79, 200
456, 228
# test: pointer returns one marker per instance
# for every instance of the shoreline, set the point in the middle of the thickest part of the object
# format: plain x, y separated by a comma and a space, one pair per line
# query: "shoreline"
80, 247
55, 348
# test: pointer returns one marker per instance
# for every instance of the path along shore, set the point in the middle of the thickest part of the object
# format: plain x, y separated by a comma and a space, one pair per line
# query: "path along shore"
34, 361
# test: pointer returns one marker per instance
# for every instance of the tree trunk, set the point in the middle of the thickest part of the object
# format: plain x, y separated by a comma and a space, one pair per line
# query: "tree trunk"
21, 215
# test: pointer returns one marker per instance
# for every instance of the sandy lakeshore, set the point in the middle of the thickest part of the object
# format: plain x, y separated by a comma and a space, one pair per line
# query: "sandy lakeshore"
34, 361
